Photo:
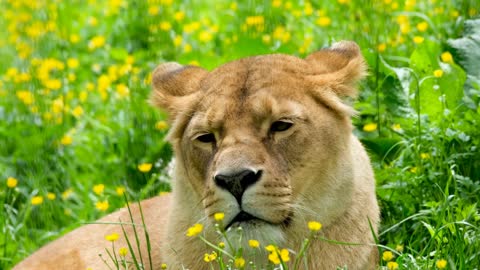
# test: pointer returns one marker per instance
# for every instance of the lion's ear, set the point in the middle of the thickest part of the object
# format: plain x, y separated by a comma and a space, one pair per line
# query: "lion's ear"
339, 67
175, 85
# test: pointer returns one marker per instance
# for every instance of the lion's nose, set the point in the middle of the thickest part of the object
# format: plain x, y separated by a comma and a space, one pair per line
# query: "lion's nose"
237, 182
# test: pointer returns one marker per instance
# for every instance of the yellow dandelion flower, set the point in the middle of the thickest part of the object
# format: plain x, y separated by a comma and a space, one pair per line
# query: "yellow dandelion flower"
266, 39
438, 73
177, 41
270, 248
323, 21
274, 255
112, 237
96, 42
276, 3
77, 111
405, 28
163, 266
447, 57
219, 216
123, 251
98, 189
308, 9
194, 63
205, 36
410, 4
392, 265
153, 10
67, 193
210, 257
102, 205
161, 125
165, 26
122, 90
187, 48
66, 140
179, 16
25, 96
387, 256
285, 255
12, 182
51, 196
396, 127
206, 257
71, 77
381, 47
73, 63
399, 248
36, 200
120, 190
343, 2
253, 243
195, 230
221, 245
424, 155
74, 38
370, 127
418, 39
53, 84
314, 226
422, 27
441, 264
144, 167
239, 262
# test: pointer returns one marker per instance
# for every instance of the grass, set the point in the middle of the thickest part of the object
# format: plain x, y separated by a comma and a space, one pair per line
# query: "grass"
76, 132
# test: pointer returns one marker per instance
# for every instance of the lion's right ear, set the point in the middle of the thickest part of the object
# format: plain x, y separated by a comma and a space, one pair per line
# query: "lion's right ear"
174, 86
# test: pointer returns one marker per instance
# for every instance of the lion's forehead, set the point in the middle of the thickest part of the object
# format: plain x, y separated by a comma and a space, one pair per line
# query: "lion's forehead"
264, 105
245, 77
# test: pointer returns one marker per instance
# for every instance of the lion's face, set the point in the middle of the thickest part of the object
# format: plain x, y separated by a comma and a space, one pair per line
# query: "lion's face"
257, 135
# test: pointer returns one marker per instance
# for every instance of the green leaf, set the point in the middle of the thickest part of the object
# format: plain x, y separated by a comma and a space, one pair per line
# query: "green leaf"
118, 54
468, 48
435, 94
385, 148
467, 51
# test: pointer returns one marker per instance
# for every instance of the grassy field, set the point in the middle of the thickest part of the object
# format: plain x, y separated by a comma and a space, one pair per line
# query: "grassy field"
76, 132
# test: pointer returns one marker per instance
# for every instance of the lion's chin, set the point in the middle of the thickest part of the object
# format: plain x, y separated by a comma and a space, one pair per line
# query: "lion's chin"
239, 233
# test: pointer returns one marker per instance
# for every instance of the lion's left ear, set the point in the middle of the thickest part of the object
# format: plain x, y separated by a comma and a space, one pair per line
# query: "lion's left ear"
175, 86
339, 67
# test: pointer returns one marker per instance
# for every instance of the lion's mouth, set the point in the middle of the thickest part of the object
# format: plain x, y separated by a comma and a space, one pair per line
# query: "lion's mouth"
243, 217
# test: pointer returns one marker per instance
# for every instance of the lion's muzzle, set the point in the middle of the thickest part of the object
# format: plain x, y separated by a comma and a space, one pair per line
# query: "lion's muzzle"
237, 182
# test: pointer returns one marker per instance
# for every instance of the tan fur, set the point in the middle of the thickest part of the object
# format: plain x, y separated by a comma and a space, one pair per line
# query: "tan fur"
316, 170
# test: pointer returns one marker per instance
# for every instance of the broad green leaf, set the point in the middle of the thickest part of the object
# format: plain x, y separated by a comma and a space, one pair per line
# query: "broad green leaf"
435, 94
468, 48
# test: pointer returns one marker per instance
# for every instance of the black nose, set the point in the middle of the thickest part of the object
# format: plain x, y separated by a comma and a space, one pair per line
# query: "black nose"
237, 182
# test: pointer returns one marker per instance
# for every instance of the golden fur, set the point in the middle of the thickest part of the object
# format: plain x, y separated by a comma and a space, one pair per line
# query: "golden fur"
313, 170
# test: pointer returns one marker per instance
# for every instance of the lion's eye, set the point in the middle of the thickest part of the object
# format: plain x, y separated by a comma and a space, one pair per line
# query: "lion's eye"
206, 138
279, 126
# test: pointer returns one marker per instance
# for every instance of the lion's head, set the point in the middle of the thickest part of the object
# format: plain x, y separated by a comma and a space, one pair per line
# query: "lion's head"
264, 139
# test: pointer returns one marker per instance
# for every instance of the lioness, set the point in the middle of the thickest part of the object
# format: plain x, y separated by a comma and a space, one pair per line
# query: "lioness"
267, 141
